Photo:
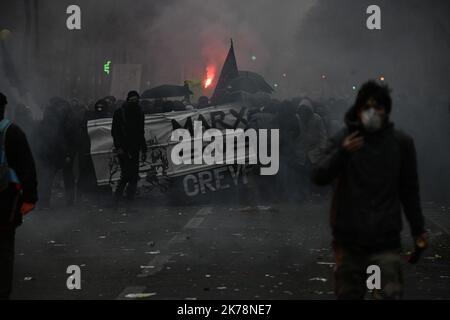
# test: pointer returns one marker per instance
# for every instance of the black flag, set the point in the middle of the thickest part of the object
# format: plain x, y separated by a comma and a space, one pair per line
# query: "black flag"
229, 72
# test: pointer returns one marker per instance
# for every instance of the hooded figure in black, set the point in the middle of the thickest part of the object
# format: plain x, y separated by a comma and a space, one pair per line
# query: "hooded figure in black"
18, 192
56, 149
83, 166
289, 132
101, 110
374, 170
129, 140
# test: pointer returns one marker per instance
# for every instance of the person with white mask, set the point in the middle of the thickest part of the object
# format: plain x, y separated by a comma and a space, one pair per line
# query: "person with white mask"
373, 168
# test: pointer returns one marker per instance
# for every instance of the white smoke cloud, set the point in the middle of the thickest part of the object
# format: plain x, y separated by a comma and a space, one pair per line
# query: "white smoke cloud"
189, 35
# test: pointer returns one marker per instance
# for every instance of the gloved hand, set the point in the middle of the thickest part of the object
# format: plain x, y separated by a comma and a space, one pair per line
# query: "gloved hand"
353, 142
421, 243
26, 208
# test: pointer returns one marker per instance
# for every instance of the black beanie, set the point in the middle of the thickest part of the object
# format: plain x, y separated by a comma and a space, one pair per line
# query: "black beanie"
132, 94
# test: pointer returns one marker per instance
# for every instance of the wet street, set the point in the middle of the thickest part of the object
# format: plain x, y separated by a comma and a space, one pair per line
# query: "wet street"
156, 250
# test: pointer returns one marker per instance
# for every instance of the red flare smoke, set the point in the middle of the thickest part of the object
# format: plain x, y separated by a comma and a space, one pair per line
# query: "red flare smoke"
210, 75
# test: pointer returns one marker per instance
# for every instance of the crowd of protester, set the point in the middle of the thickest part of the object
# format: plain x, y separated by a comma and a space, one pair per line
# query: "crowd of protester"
60, 141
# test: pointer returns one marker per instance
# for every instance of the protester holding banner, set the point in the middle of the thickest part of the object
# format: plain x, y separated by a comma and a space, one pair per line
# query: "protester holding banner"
129, 139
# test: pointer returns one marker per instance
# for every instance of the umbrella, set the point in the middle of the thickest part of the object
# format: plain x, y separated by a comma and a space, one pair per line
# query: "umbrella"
249, 82
166, 91
259, 80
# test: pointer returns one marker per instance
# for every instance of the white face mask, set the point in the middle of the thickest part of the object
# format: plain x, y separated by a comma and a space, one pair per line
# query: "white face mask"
371, 120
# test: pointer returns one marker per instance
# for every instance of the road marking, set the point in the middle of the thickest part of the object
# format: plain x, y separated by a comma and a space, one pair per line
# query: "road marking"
194, 223
154, 266
431, 215
440, 226
177, 239
204, 211
159, 261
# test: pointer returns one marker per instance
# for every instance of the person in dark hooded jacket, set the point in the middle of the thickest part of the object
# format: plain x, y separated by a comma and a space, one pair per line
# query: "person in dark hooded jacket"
289, 132
56, 150
101, 110
129, 140
374, 170
18, 192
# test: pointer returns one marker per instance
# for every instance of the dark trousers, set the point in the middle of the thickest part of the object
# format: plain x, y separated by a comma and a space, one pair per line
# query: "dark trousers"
87, 182
47, 176
350, 273
288, 182
303, 188
129, 175
7, 237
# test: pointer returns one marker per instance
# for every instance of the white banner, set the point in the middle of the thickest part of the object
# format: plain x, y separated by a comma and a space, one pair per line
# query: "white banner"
158, 131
